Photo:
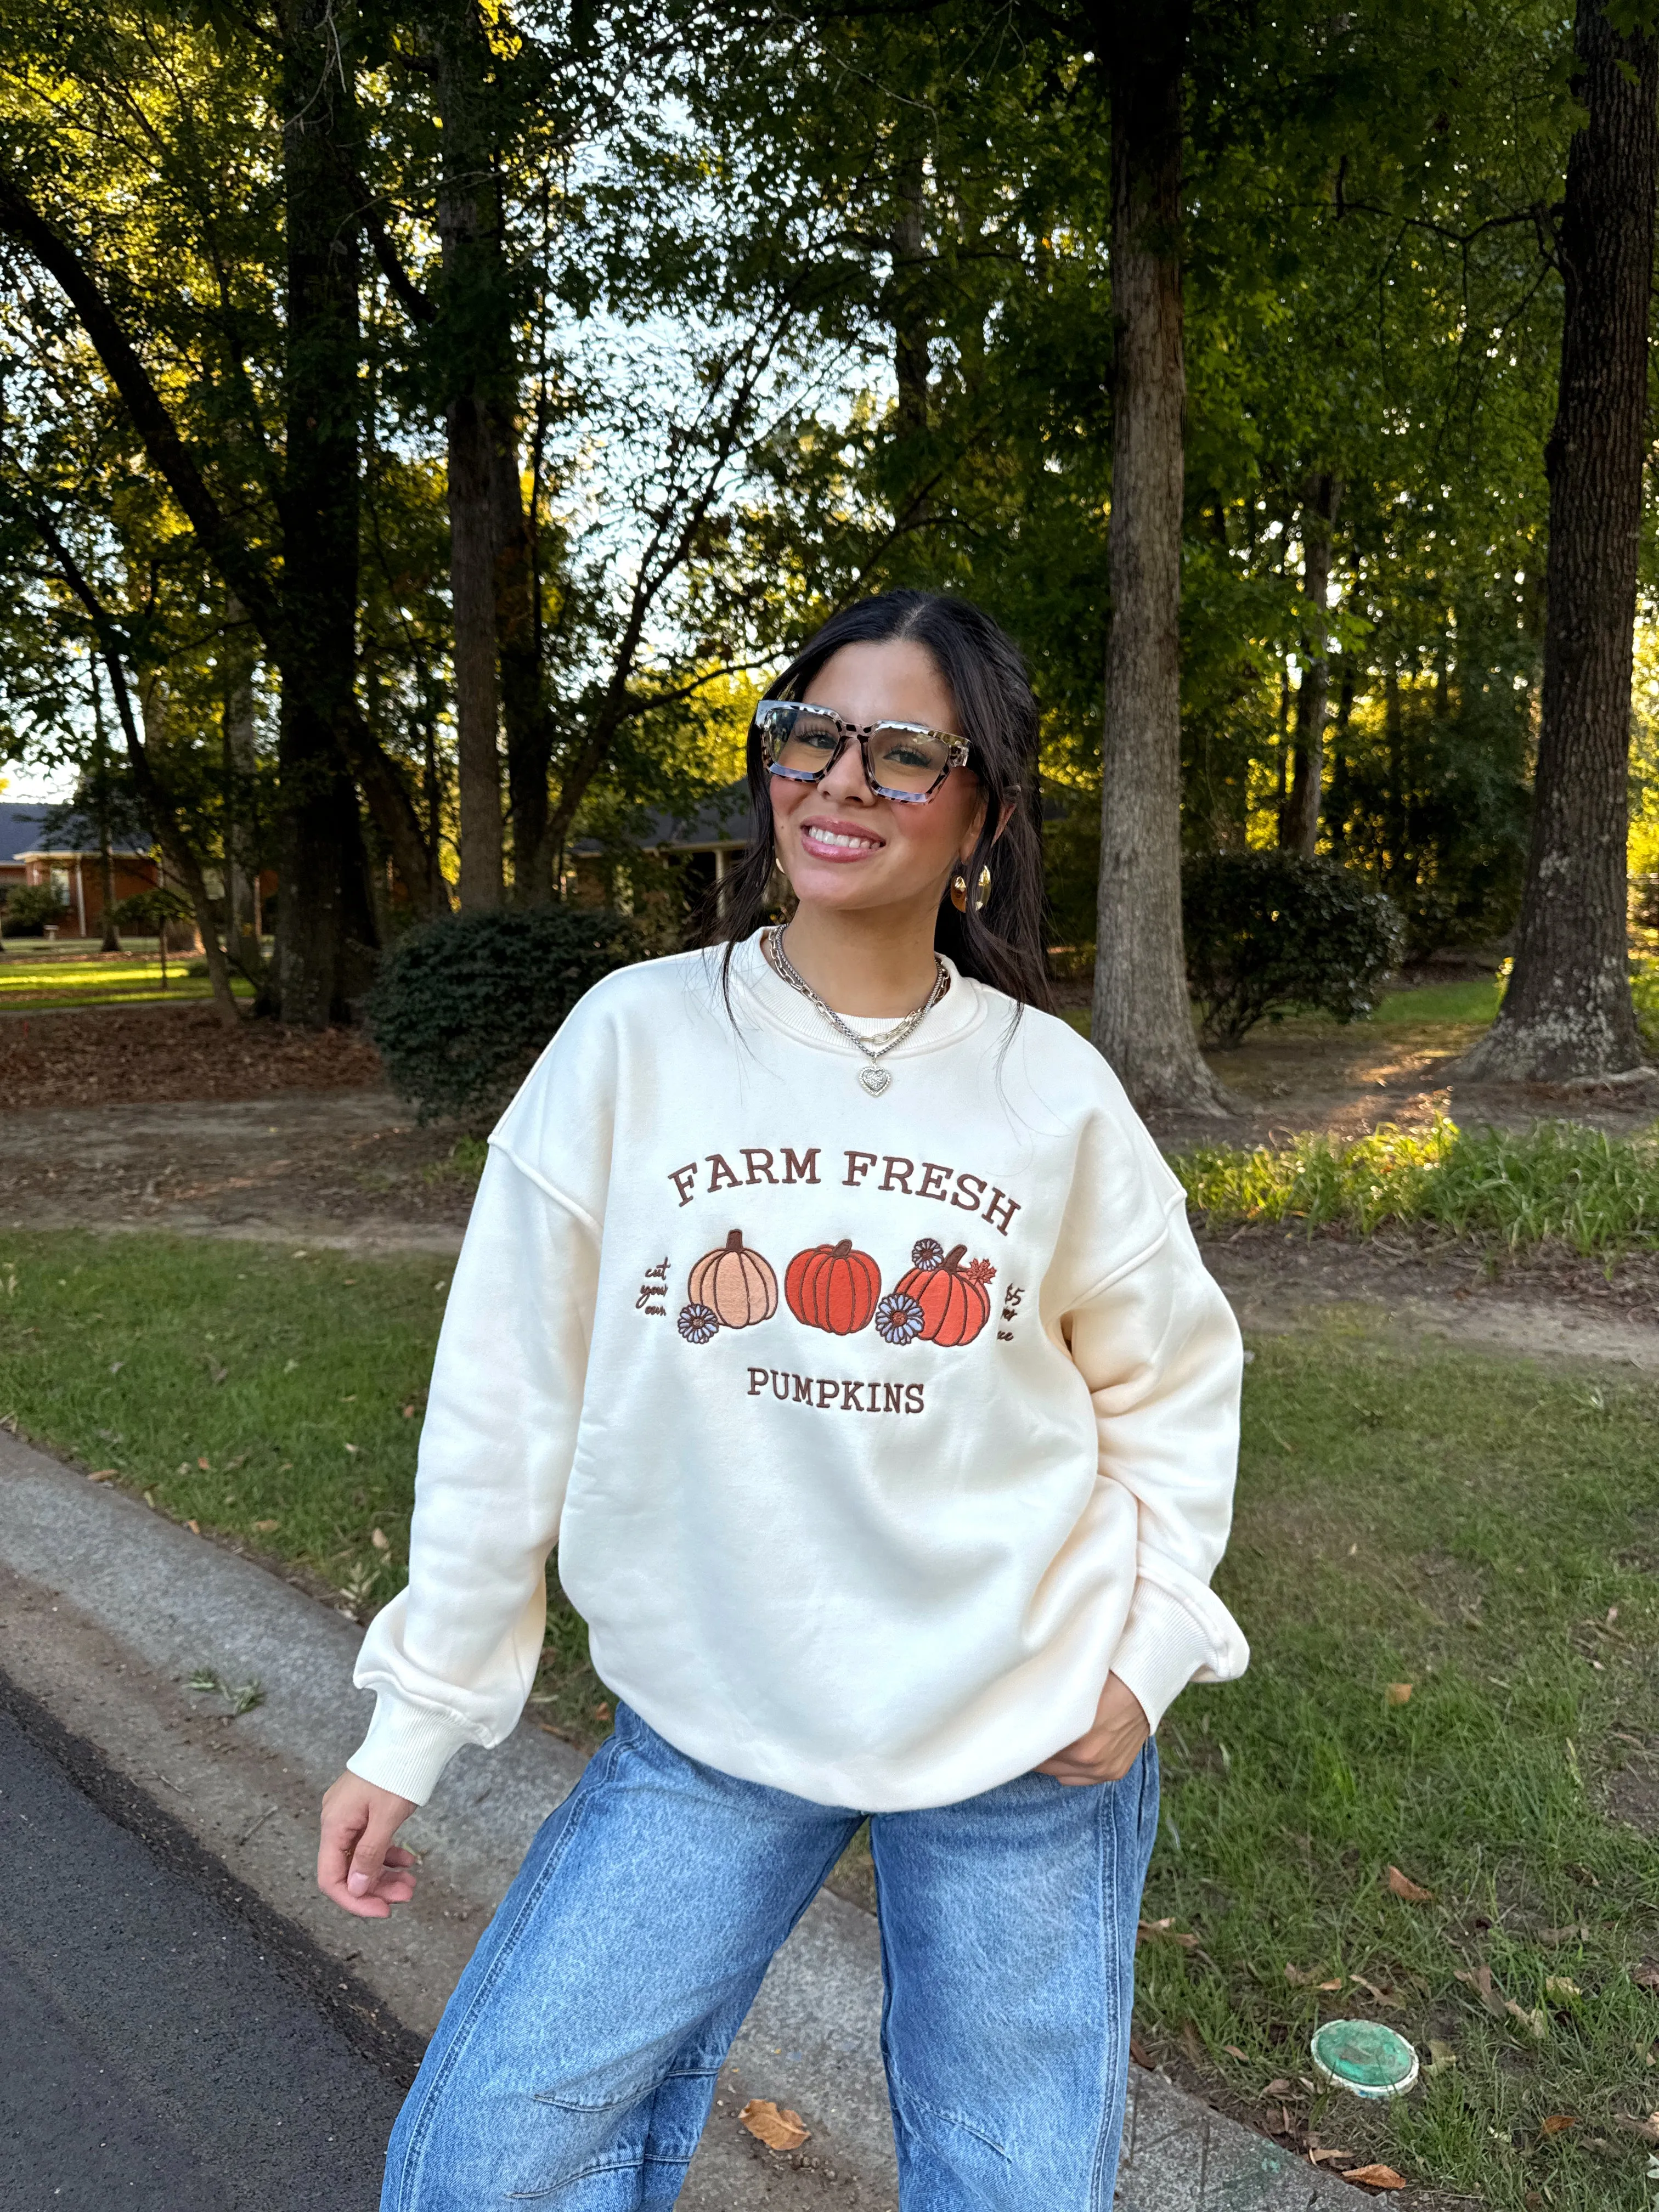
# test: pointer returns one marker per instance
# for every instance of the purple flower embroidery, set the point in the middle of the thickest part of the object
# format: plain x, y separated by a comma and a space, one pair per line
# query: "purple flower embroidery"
697, 1324
899, 1319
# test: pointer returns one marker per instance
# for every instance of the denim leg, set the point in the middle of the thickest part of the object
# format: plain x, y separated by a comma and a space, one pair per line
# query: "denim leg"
575, 2064
1008, 1936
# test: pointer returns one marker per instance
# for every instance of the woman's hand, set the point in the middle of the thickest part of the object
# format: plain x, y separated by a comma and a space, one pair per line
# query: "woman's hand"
1111, 1748
358, 1865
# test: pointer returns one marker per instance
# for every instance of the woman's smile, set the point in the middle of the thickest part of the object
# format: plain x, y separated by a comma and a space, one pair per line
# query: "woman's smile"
839, 841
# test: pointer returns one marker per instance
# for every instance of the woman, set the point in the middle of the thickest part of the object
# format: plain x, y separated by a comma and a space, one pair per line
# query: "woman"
830, 1309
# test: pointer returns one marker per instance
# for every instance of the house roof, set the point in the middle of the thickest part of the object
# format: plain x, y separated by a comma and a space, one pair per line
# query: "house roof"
34, 831
725, 819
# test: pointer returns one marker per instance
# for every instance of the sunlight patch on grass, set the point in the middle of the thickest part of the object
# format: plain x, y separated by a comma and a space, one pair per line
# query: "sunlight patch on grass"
1596, 1193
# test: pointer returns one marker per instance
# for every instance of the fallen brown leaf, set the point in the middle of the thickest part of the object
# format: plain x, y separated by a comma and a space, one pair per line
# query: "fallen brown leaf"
194, 1526
1232, 2050
1280, 2088
1573, 1932
1398, 1693
1390, 2000
1554, 2124
1558, 1986
1404, 1887
264, 1528
101, 1474
1374, 2176
778, 2129
1308, 1977
1646, 1976
1533, 2021
1167, 1930
1646, 2129
1480, 1982
1139, 2053
1320, 2155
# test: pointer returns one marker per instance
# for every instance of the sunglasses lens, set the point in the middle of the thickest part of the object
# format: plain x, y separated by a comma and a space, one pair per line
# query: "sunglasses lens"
907, 760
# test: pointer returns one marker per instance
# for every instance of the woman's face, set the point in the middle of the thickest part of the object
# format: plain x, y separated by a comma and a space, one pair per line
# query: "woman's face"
841, 844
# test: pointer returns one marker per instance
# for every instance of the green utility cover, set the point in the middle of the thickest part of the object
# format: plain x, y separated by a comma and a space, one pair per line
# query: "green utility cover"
1365, 2056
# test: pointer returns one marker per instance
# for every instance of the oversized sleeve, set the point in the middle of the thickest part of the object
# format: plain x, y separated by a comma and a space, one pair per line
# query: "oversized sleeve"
1157, 1343
453, 1657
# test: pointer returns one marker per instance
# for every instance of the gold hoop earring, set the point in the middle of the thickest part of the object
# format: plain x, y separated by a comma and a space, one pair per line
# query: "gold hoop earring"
982, 888
959, 892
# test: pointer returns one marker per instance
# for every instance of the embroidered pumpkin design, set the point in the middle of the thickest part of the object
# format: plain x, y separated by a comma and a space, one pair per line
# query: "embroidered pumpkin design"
832, 1286
955, 1304
735, 1283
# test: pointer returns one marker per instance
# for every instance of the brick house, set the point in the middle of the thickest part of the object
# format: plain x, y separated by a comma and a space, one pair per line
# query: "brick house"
68, 861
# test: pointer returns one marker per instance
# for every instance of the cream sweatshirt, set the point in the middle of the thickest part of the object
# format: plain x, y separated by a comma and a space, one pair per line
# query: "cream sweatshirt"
874, 1432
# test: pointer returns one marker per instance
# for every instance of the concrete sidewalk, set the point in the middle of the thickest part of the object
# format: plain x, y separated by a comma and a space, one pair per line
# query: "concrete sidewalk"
106, 1611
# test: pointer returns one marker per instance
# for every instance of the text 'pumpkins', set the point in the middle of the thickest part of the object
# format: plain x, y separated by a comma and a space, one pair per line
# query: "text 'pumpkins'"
736, 1285
954, 1301
832, 1286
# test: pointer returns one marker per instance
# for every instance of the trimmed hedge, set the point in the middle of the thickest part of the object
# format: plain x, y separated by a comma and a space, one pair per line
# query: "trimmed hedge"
1267, 932
461, 1008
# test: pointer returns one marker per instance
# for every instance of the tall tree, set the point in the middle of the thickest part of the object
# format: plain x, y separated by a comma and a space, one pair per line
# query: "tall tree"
1567, 1011
325, 933
1141, 1018
1299, 825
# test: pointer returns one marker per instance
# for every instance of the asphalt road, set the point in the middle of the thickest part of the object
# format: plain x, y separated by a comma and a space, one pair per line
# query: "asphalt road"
160, 2050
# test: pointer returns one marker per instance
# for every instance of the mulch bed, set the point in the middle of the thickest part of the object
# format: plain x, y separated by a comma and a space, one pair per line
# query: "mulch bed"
135, 1055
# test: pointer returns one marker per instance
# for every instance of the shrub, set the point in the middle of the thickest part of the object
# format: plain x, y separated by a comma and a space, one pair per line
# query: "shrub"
461, 1008
30, 908
1267, 931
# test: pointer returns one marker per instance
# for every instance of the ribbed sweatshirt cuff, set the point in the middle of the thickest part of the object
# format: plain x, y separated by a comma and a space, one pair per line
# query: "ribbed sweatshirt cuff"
407, 1747
1160, 1650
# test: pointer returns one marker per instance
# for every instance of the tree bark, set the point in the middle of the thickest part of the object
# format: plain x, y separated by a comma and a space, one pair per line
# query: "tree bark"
1141, 1019
1567, 1011
1299, 825
100, 795
241, 922
471, 302
325, 935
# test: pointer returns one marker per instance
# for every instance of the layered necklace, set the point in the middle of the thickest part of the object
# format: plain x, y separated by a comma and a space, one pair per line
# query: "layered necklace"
872, 1075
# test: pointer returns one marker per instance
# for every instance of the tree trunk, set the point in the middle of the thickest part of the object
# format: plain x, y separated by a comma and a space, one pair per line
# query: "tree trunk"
1567, 1011
101, 801
325, 937
525, 718
241, 922
471, 300
1142, 1020
1299, 827
142, 754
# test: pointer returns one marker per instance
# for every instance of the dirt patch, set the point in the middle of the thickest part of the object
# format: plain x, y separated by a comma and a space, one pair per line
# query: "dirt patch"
1411, 1284
107, 1056
345, 1169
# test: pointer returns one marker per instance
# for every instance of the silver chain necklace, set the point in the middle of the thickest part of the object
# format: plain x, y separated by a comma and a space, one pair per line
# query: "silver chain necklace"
874, 1078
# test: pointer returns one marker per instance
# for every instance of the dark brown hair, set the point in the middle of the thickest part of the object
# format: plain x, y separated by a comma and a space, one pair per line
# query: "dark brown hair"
1001, 942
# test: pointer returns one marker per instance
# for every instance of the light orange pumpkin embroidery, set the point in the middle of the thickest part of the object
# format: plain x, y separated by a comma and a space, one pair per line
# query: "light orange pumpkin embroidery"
955, 1305
833, 1287
736, 1285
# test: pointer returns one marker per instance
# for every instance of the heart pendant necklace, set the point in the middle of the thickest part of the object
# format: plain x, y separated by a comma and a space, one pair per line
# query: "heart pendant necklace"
874, 1078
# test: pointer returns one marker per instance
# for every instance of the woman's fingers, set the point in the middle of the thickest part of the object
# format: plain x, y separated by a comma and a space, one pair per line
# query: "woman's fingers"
358, 1865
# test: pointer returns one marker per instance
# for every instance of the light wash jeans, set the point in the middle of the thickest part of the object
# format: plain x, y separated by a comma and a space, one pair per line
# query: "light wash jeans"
575, 2063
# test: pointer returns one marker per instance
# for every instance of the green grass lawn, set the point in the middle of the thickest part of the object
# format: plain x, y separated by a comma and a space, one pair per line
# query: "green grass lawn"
38, 984
1484, 1530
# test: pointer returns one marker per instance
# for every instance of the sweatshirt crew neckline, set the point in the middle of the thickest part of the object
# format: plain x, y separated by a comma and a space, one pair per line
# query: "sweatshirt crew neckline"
957, 1015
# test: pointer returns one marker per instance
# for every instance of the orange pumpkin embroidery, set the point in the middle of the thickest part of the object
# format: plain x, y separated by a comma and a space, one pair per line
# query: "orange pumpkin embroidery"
736, 1285
954, 1303
832, 1286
